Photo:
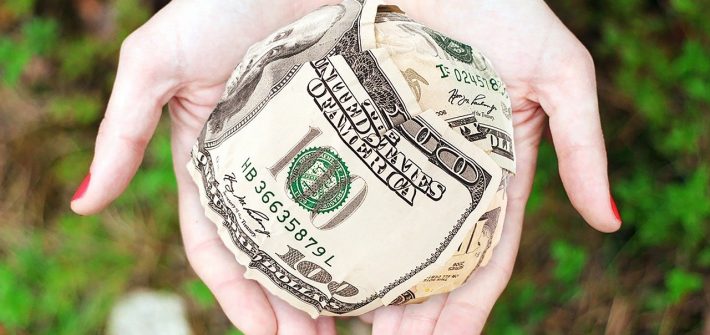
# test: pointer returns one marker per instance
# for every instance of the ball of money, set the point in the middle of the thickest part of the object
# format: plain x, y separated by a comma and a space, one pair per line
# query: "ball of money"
358, 159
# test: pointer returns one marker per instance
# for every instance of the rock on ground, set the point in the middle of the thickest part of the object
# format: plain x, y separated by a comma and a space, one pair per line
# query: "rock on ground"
149, 313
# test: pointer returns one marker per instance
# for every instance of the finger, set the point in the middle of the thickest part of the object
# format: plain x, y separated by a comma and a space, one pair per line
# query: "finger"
386, 320
570, 99
140, 90
468, 307
242, 300
367, 317
421, 318
289, 320
325, 325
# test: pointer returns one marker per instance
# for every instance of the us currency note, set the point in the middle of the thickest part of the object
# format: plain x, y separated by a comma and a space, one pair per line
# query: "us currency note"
319, 159
453, 79
474, 252
358, 148
270, 65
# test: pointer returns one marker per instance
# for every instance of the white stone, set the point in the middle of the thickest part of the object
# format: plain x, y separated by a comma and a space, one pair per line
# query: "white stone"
149, 313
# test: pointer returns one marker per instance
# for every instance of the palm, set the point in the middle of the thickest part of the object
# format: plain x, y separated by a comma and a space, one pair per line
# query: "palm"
202, 83
534, 53
184, 55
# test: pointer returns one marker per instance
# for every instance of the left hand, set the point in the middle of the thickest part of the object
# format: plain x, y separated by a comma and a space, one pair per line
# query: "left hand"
183, 57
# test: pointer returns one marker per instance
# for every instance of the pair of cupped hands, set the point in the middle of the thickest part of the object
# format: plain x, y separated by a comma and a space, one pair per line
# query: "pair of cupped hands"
184, 55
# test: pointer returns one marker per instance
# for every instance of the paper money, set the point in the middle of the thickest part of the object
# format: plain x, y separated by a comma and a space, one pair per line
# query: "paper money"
331, 183
453, 79
474, 252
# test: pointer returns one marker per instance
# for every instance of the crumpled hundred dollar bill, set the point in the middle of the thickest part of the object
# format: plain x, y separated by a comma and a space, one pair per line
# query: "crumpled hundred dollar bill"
358, 159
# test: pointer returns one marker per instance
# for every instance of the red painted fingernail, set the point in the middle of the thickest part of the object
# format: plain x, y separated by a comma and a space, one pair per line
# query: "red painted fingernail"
82, 188
614, 208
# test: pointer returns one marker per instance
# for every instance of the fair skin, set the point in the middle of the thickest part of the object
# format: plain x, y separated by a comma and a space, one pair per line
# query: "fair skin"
184, 54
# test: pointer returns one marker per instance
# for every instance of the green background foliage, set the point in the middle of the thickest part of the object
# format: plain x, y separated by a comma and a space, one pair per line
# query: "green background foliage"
61, 273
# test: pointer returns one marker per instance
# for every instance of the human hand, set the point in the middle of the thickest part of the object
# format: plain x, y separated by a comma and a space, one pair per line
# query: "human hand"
183, 56
550, 76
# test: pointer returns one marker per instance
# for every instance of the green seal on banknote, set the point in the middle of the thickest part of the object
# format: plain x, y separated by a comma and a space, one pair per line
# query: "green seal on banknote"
460, 51
318, 180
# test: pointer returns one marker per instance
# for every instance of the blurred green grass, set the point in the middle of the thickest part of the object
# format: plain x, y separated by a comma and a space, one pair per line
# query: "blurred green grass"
60, 273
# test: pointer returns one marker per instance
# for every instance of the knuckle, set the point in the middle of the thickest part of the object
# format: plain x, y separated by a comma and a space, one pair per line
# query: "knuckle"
580, 60
200, 251
261, 326
574, 60
503, 270
133, 45
586, 60
420, 320
576, 152
518, 198
464, 312
132, 139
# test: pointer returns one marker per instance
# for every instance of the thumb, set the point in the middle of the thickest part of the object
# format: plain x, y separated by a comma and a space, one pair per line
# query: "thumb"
571, 103
140, 90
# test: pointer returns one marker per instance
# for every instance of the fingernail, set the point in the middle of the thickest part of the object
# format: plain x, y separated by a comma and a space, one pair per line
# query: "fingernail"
82, 188
614, 208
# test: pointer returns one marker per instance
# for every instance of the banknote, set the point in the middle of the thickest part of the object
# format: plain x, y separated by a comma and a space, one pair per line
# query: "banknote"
474, 252
337, 183
453, 79
356, 146
270, 65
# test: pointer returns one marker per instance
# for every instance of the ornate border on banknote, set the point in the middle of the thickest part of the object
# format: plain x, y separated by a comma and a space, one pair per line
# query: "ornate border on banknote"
254, 112
367, 69
348, 43
381, 90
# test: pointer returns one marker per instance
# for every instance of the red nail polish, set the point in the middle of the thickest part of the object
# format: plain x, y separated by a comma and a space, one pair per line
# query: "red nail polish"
614, 208
82, 188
